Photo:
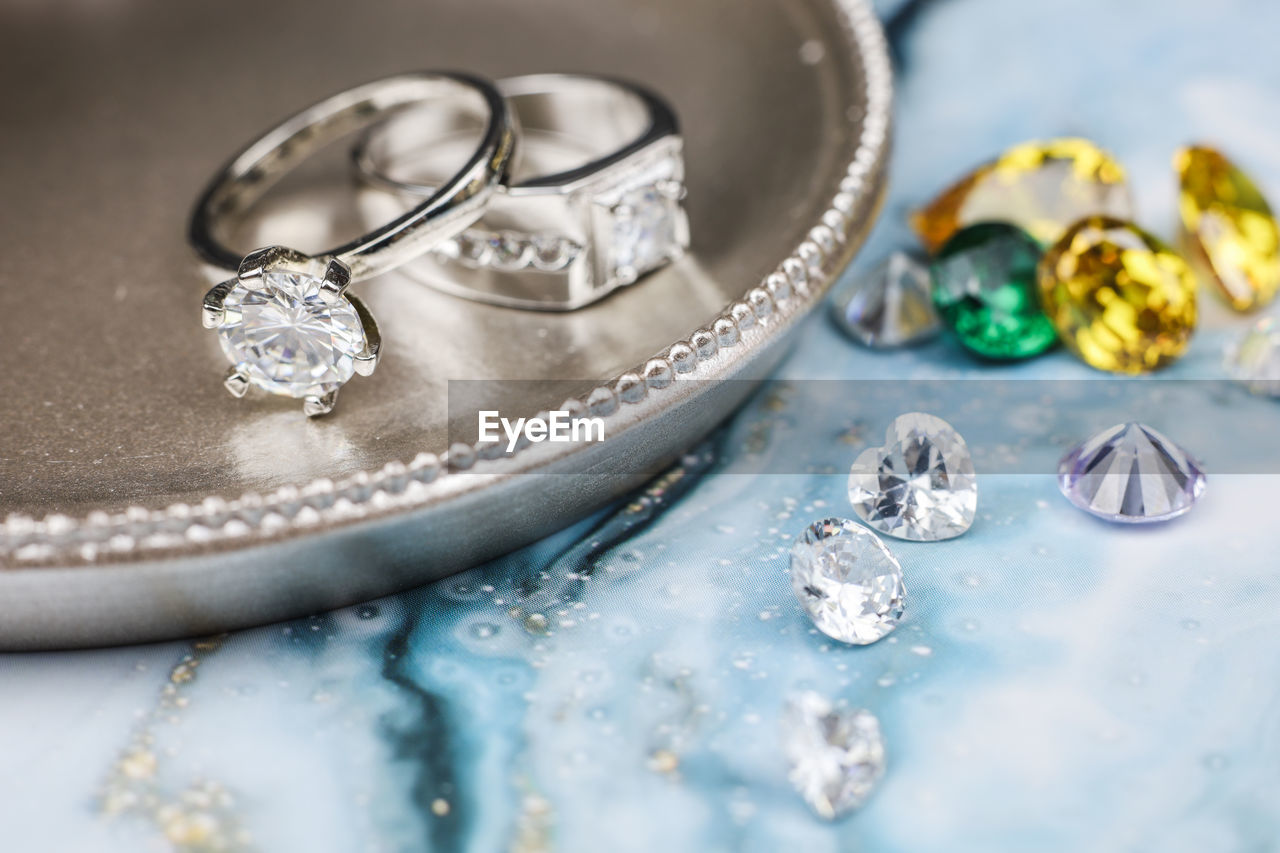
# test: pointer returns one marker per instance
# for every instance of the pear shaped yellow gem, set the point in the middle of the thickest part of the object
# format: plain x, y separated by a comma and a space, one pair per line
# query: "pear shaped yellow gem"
1119, 298
1228, 228
1042, 187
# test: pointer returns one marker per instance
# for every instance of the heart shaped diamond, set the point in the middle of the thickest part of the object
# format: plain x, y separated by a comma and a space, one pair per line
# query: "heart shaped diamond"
920, 486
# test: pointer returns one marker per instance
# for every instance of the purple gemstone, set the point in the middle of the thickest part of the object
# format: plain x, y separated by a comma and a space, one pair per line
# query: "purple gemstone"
1132, 474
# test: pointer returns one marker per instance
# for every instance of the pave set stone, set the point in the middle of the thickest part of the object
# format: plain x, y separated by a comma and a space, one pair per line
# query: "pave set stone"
511, 251
289, 335
641, 227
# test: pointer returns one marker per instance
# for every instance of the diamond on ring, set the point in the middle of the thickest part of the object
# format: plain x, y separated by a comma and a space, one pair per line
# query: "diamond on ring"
290, 329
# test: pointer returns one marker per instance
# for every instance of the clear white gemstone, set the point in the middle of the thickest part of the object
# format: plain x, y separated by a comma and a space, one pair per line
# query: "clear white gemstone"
836, 755
509, 251
888, 306
1131, 473
1255, 359
920, 485
289, 335
847, 581
644, 230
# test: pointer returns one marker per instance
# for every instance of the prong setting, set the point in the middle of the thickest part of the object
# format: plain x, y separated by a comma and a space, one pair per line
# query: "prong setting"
269, 258
314, 406
237, 382
337, 276
366, 361
288, 327
211, 309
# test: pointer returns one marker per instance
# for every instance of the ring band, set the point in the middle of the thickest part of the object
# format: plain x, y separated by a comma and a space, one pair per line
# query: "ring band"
564, 238
286, 321
445, 212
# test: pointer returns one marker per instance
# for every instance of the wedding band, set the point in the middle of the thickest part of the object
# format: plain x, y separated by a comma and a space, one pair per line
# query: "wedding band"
593, 204
442, 214
286, 322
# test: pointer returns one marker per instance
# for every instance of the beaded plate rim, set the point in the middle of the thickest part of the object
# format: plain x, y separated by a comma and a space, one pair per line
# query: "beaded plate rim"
785, 295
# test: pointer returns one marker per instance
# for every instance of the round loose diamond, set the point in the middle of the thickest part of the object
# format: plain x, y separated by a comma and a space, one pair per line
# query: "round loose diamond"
836, 755
847, 581
920, 485
1131, 473
289, 336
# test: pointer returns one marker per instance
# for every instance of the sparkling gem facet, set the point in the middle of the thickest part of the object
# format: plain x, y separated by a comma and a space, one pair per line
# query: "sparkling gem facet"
847, 581
984, 285
646, 228
1119, 298
920, 485
1042, 187
1254, 360
1131, 473
289, 335
1228, 228
887, 307
836, 755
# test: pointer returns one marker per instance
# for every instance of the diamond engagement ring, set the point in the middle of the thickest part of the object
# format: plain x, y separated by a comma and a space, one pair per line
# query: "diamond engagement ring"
285, 321
593, 204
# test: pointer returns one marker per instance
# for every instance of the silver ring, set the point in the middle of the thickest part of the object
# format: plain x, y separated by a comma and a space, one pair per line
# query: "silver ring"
286, 322
594, 204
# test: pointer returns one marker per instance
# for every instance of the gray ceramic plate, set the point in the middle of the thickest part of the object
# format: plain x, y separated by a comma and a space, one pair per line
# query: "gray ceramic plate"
140, 502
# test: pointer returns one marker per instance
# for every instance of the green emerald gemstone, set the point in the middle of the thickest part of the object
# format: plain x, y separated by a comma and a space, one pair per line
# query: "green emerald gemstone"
984, 287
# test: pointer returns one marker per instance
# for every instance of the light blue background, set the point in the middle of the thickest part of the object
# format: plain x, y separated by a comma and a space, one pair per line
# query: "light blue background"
1058, 684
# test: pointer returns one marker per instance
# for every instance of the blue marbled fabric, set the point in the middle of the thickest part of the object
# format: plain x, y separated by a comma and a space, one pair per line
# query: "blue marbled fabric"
1057, 684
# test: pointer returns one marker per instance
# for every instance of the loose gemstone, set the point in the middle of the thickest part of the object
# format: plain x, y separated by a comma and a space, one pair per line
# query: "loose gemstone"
847, 581
984, 286
920, 485
1228, 228
887, 307
1042, 187
1254, 360
836, 755
1120, 299
289, 335
1131, 473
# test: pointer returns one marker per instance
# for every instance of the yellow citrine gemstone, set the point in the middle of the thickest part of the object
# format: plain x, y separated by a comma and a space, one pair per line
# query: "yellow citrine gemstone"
1118, 297
1042, 187
1228, 228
